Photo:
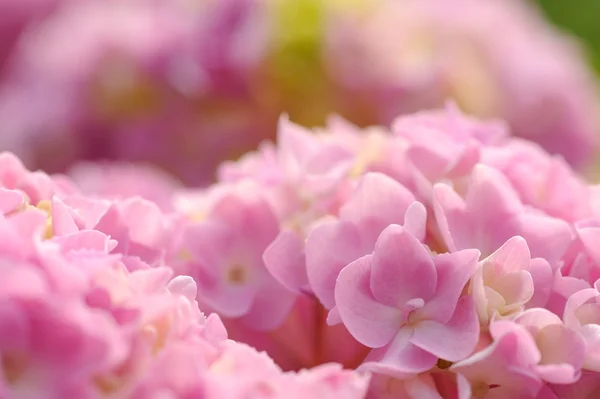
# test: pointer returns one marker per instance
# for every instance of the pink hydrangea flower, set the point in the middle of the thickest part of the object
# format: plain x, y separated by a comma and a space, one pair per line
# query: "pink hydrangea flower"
433, 272
466, 223
75, 321
224, 252
533, 348
503, 282
403, 298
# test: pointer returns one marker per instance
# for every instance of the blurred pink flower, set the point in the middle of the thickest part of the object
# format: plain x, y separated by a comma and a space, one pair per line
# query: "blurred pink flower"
185, 85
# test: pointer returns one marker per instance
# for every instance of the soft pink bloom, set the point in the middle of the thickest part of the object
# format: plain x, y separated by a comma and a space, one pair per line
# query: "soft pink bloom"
224, 252
75, 321
504, 368
377, 202
582, 313
458, 141
502, 284
139, 226
35, 186
407, 303
543, 181
491, 213
532, 348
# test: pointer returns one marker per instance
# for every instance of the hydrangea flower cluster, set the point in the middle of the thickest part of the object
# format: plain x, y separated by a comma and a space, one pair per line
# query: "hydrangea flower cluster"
443, 257
186, 84
89, 310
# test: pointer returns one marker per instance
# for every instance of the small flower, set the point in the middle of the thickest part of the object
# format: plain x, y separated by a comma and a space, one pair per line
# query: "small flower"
403, 299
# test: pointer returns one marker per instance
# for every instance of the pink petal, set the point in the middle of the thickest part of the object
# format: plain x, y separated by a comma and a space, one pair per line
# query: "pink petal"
560, 344
415, 220
536, 319
377, 202
558, 373
271, 305
543, 277
465, 161
136, 209
250, 218
329, 248
512, 256
449, 210
90, 240
402, 269
10, 200
490, 189
453, 273
591, 335
499, 364
547, 237
63, 222
185, 286
285, 259
370, 322
574, 302
399, 359
454, 340
590, 236
333, 317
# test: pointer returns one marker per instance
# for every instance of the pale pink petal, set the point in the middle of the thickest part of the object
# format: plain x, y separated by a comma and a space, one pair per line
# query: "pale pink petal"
452, 341
10, 200
543, 277
453, 273
590, 237
512, 256
516, 288
415, 220
402, 268
501, 364
546, 237
591, 335
370, 322
329, 248
285, 260
271, 305
377, 202
465, 161
400, 358
562, 346
248, 217
449, 210
536, 319
574, 302
87, 240
184, 285
63, 221
489, 189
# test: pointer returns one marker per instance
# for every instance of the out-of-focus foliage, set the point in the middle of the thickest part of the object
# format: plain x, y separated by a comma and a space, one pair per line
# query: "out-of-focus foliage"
579, 17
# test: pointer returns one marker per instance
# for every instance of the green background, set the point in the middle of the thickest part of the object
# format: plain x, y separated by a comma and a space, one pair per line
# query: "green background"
578, 17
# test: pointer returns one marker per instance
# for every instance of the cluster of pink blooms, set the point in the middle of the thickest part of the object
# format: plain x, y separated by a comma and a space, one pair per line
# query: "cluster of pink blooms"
89, 310
447, 259
437, 259
185, 84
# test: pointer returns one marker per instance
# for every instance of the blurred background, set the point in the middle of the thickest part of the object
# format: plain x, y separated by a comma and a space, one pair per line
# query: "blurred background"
580, 20
182, 85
